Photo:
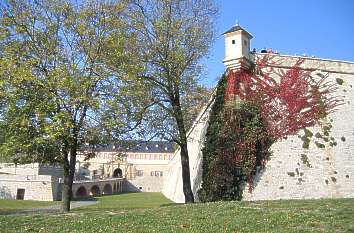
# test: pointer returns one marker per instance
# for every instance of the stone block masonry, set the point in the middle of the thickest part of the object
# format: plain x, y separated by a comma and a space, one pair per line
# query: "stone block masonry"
41, 188
293, 172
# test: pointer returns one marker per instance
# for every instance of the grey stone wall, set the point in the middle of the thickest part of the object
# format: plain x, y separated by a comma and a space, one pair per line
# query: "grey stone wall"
328, 172
298, 173
39, 188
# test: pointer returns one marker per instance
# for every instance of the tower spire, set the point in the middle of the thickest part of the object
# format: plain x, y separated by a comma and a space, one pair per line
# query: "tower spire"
237, 23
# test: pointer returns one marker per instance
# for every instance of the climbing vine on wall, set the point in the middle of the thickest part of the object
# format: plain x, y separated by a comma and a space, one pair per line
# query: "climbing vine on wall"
290, 100
260, 106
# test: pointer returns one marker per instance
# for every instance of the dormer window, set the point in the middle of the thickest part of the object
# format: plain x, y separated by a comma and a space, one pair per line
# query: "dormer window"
233, 42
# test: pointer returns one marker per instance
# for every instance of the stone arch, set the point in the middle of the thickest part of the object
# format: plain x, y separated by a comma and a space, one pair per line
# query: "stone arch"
95, 190
107, 189
118, 173
81, 192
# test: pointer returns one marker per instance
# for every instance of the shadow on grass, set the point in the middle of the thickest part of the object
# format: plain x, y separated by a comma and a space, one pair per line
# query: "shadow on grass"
171, 204
29, 211
96, 197
89, 198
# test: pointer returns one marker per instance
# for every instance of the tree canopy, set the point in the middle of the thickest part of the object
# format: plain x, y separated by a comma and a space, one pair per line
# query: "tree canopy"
173, 35
58, 89
84, 72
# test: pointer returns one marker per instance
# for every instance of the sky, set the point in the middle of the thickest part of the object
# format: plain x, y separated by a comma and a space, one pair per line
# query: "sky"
321, 28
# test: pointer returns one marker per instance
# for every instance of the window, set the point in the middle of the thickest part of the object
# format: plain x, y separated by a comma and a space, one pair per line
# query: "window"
152, 173
139, 173
245, 42
233, 42
158, 173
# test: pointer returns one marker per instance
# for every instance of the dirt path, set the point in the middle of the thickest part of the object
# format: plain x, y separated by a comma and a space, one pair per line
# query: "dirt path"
47, 209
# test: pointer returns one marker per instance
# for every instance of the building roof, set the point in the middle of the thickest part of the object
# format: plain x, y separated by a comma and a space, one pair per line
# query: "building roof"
134, 147
237, 28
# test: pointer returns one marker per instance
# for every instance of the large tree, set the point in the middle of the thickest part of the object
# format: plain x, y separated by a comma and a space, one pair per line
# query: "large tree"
56, 83
173, 35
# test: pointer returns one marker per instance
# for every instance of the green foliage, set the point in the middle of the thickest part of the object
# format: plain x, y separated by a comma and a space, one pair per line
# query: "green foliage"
216, 123
308, 133
68, 78
173, 37
323, 138
59, 88
339, 81
305, 160
320, 145
236, 146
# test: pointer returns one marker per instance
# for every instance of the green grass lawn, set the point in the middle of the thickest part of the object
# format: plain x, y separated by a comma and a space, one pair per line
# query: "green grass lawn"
149, 212
128, 201
24, 204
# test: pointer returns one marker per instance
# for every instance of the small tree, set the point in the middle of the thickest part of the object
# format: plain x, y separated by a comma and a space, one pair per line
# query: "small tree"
173, 35
57, 83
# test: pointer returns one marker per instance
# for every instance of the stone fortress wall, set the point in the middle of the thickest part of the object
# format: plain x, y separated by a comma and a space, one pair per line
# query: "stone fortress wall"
37, 182
292, 172
142, 169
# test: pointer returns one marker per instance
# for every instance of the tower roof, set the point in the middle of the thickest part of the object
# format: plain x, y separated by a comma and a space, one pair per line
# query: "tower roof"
237, 28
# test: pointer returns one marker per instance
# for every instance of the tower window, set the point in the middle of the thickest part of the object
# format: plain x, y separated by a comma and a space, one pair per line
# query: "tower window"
233, 42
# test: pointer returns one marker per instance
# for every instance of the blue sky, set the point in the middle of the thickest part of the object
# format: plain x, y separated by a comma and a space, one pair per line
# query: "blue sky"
323, 28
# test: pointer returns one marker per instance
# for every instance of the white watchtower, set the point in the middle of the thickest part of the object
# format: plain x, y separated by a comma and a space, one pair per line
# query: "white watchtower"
237, 48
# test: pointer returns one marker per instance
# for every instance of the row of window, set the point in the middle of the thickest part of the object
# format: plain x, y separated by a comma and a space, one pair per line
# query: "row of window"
149, 156
139, 156
152, 173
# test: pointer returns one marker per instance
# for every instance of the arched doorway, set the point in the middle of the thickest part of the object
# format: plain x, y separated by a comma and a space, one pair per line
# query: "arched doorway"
107, 189
95, 190
118, 173
81, 192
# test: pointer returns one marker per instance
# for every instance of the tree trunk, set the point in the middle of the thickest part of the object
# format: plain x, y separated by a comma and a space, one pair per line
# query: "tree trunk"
69, 172
187, 190
67, 188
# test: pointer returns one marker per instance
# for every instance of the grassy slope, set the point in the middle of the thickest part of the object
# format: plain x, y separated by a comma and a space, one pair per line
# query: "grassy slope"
335, 215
